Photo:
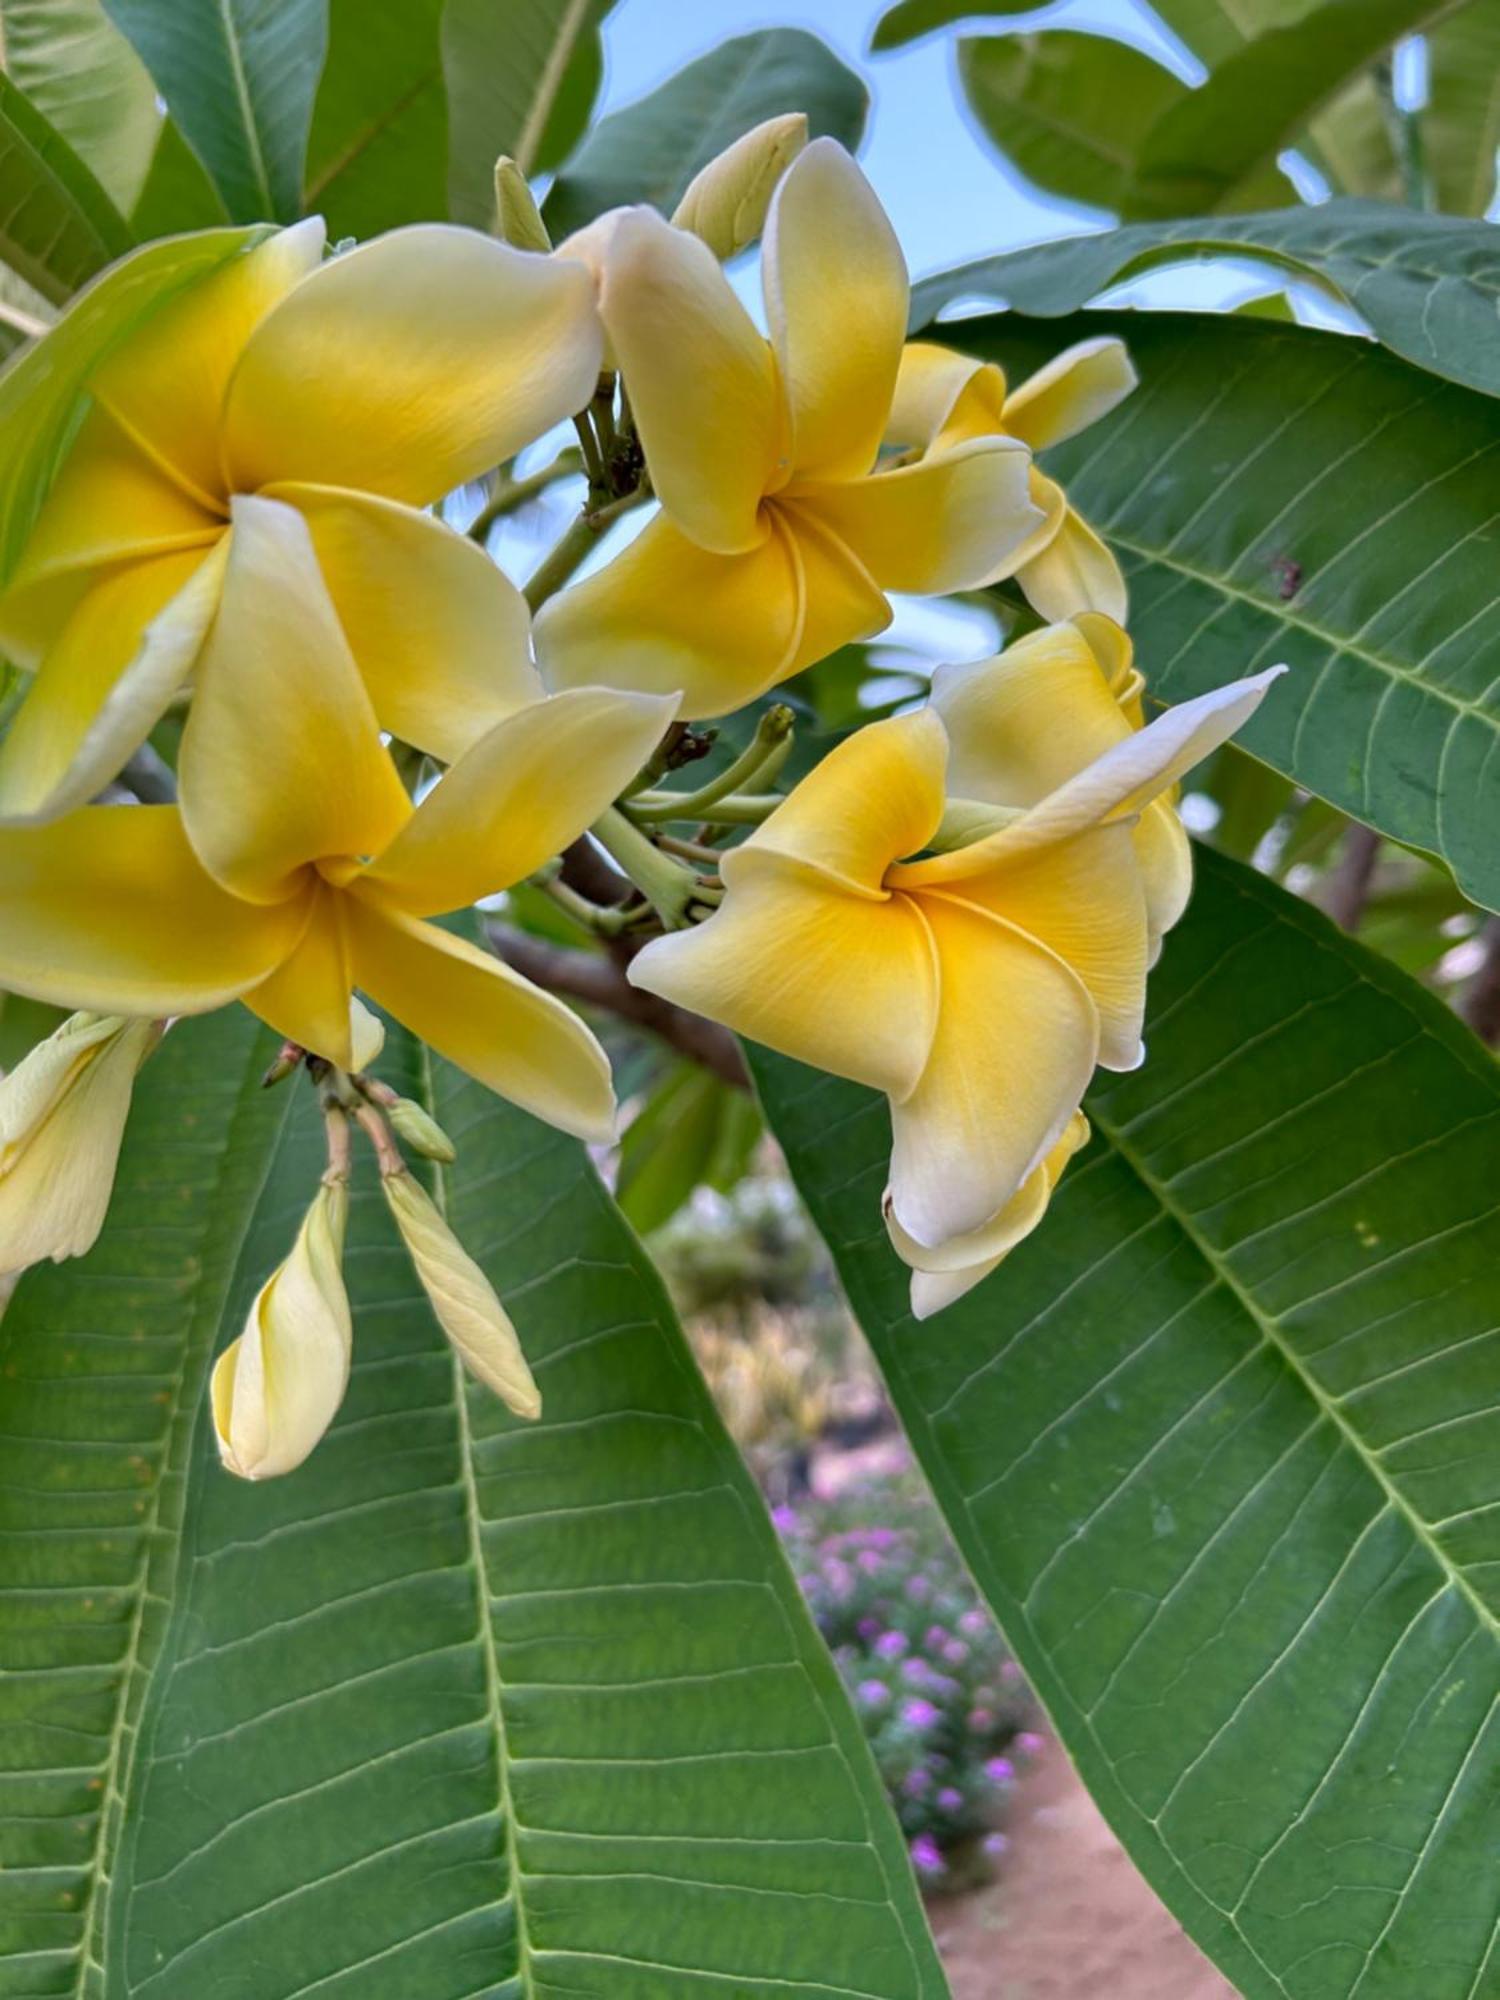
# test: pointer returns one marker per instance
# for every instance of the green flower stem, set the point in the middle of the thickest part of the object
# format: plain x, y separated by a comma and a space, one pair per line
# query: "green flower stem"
666, 884
512, 493
760, 760
554, 569
737, 811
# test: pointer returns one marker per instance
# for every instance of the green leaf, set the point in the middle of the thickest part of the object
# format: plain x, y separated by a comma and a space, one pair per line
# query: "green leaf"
57, 225
914, 18
651, 150
239, 77
1428, 286
41, 387
522, 80
463, 1705
1278, 494
693, 1131
178, 194
1218, 1443
378, 152
87, 81
1460, 125
1210, 149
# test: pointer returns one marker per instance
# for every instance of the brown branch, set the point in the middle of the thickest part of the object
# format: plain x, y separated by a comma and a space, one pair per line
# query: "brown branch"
600, 981
1348, 888
1481, 1002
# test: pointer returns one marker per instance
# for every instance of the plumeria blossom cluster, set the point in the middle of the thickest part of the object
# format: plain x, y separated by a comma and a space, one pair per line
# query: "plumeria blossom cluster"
379, 729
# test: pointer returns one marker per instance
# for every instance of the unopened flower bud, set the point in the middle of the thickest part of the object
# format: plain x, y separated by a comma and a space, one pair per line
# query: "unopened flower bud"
277, 1388
518, 220
421, 1131
462, 1298
726, 202
62, 1115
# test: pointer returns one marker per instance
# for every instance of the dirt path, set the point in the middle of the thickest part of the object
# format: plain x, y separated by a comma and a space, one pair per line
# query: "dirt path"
1069, 1918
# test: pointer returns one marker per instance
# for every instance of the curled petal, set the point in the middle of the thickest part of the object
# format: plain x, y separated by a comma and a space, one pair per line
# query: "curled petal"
953, 521
941, 1276
1075, 389
1075, 572
440, 634
702, 380
278, 1387
666, 616
836, 297
876, 796
62, 1116
1165, 857
488, 1020
282, 763
463, 1300
308, 998
726, 202
1016, 1042
534, 783
127, 651
366, 1035
940, 394
111, 908
411, 364
788, 959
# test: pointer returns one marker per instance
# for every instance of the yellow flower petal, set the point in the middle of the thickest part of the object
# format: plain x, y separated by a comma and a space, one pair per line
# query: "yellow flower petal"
282, 762
875, 797
1075, 572
1074, 390
840, 601
836, 297
463, 1300
943, 394
440, 634
1016, 1042
110, 909
666, 616
277, 1388
939, 1276
514, 1038
949, 522
308, 998
412, 364
790, 960
167, 383
1165, 857
366, 1035
122, 657
108, 505
536, 781
702, 380
62, 1116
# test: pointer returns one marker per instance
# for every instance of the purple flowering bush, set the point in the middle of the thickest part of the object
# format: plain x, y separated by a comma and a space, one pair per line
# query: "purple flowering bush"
944, 1707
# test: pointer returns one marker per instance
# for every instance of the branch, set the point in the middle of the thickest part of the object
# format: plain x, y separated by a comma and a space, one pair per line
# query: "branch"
1481, 1003
1347, 889
600, 981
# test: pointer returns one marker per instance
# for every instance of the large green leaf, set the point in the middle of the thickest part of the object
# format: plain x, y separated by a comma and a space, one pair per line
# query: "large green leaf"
1219, 1444
1461, 123
652, 149
1278, 494
1427, 285
1212, 147
464, 1706
239, 77
178, 194
40, 388
57, 225
378, 152
910, 19
521, 80
84, 77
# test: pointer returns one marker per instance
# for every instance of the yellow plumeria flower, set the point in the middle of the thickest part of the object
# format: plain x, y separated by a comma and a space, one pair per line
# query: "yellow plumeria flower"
977, 988
62, 1116
312, 873
277, 1388
358, 391
942, 1274
944, 399
779, 532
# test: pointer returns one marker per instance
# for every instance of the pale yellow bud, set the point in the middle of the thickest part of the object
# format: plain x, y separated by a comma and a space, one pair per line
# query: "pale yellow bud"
278, 1387
366, 1032
62, 1115
726, 202
462, 1297
420, 1131
518, 220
